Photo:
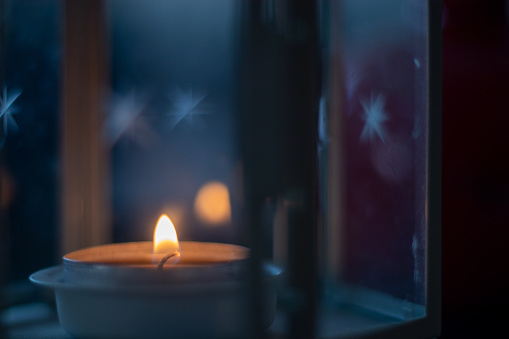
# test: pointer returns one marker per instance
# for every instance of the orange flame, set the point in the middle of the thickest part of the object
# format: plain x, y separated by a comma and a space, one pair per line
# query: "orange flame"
165, 236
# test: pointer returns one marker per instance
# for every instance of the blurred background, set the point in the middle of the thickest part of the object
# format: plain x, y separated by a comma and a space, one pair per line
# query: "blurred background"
475, 168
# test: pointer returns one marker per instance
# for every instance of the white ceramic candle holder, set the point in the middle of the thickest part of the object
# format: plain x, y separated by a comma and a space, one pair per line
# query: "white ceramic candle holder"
193, 299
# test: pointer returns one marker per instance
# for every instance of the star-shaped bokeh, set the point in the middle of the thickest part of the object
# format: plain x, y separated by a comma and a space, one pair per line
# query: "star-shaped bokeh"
125, 119
185, 105
374, 117
7, 109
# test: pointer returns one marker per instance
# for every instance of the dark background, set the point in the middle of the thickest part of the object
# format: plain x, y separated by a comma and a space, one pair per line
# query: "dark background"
475, 168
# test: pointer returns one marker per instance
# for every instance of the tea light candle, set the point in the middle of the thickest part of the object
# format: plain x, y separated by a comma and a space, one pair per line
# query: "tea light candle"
136, 261
165, 288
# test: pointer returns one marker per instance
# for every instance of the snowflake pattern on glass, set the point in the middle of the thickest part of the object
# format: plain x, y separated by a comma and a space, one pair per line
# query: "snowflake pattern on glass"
374, 117
125, 119
7, 109
185, 105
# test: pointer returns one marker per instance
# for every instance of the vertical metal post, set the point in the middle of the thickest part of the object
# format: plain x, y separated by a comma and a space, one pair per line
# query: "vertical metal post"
84, 184
434, 194
4, 231
279, 103
259, 122
333, 147
301, 166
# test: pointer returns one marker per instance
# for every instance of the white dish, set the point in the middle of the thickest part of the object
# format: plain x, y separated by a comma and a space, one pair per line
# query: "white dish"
137, 310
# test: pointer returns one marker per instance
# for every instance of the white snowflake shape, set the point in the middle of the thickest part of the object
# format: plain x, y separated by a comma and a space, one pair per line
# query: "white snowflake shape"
7, 109
374, 117
185, 105
125, 119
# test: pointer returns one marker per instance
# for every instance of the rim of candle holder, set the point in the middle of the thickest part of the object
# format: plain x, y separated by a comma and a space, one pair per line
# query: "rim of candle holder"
55, 277
91, 273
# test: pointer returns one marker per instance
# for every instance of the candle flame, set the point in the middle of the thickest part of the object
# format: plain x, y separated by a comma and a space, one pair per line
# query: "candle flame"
165, 237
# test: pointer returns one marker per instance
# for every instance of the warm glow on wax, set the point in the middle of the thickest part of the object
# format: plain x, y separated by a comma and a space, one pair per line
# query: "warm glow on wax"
165, 236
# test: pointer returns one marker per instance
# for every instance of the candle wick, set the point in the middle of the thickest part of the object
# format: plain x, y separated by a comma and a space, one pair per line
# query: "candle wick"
165, 259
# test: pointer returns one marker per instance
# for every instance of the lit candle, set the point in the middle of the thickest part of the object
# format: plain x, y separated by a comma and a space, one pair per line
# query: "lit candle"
163, 260
104, 285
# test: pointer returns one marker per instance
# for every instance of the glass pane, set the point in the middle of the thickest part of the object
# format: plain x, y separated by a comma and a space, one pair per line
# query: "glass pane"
373, 155
206, 111
29, 162
170, 124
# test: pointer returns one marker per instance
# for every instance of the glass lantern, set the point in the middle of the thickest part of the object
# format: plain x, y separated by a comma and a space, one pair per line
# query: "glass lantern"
305, 131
